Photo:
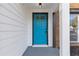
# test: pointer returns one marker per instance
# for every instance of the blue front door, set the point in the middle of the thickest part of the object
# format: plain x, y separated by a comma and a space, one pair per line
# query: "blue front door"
40, 28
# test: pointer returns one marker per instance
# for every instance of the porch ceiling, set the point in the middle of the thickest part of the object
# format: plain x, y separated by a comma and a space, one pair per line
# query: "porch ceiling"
52, 6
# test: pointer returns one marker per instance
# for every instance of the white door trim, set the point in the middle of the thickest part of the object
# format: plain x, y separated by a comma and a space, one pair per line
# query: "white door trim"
50, 28
39, 45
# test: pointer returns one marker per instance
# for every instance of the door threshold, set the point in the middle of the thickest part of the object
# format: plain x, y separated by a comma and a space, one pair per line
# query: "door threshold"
39, 45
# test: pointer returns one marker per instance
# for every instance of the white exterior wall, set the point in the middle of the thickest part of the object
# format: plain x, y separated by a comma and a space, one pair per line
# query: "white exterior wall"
13, 30
64, 29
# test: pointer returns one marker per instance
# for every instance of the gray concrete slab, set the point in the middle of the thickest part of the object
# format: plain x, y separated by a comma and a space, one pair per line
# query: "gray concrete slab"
41, 51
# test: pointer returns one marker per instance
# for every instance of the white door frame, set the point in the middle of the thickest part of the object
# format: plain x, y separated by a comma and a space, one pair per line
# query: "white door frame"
50, 28
47, 34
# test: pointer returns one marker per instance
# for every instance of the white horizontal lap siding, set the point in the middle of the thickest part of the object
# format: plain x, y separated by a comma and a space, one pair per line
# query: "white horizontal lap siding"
13, 30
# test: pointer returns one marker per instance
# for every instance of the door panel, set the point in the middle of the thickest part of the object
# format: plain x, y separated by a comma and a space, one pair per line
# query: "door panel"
40, 30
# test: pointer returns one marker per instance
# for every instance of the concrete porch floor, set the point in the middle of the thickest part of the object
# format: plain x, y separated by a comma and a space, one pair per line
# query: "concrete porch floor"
41, 51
